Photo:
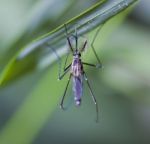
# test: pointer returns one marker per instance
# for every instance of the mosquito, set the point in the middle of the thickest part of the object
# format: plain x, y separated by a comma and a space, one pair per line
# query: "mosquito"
76, 70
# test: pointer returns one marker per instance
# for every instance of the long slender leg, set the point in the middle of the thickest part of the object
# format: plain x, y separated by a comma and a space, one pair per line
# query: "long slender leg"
70, 46
58, 59
92, 45
92, 95
66, 61
93, 65
83, 48
66, 69
76, 37
65, 72
62, 100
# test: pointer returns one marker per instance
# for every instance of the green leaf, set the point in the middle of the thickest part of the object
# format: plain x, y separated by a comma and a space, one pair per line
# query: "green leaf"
30, 117
28, 58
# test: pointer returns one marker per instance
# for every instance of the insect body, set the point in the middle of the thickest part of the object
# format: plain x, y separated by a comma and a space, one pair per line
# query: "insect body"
77, 72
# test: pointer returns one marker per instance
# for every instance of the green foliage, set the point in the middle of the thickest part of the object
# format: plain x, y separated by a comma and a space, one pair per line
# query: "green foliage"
122, 76
93, 17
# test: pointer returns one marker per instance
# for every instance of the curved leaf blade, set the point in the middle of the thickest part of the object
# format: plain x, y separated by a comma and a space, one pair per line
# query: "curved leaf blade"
85, 22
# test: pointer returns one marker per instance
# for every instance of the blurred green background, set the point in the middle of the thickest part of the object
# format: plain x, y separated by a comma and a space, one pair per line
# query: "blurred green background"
29, 111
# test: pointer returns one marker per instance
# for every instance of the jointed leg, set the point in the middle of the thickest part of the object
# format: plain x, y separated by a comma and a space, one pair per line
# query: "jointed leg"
76, 38
62, 100
65, 72
66, 69
58, 59
93, 65
84, 46
66, 61
92, 95
69, 43
92, 45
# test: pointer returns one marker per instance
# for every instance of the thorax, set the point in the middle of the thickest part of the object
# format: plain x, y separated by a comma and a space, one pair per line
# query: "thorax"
76, 67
